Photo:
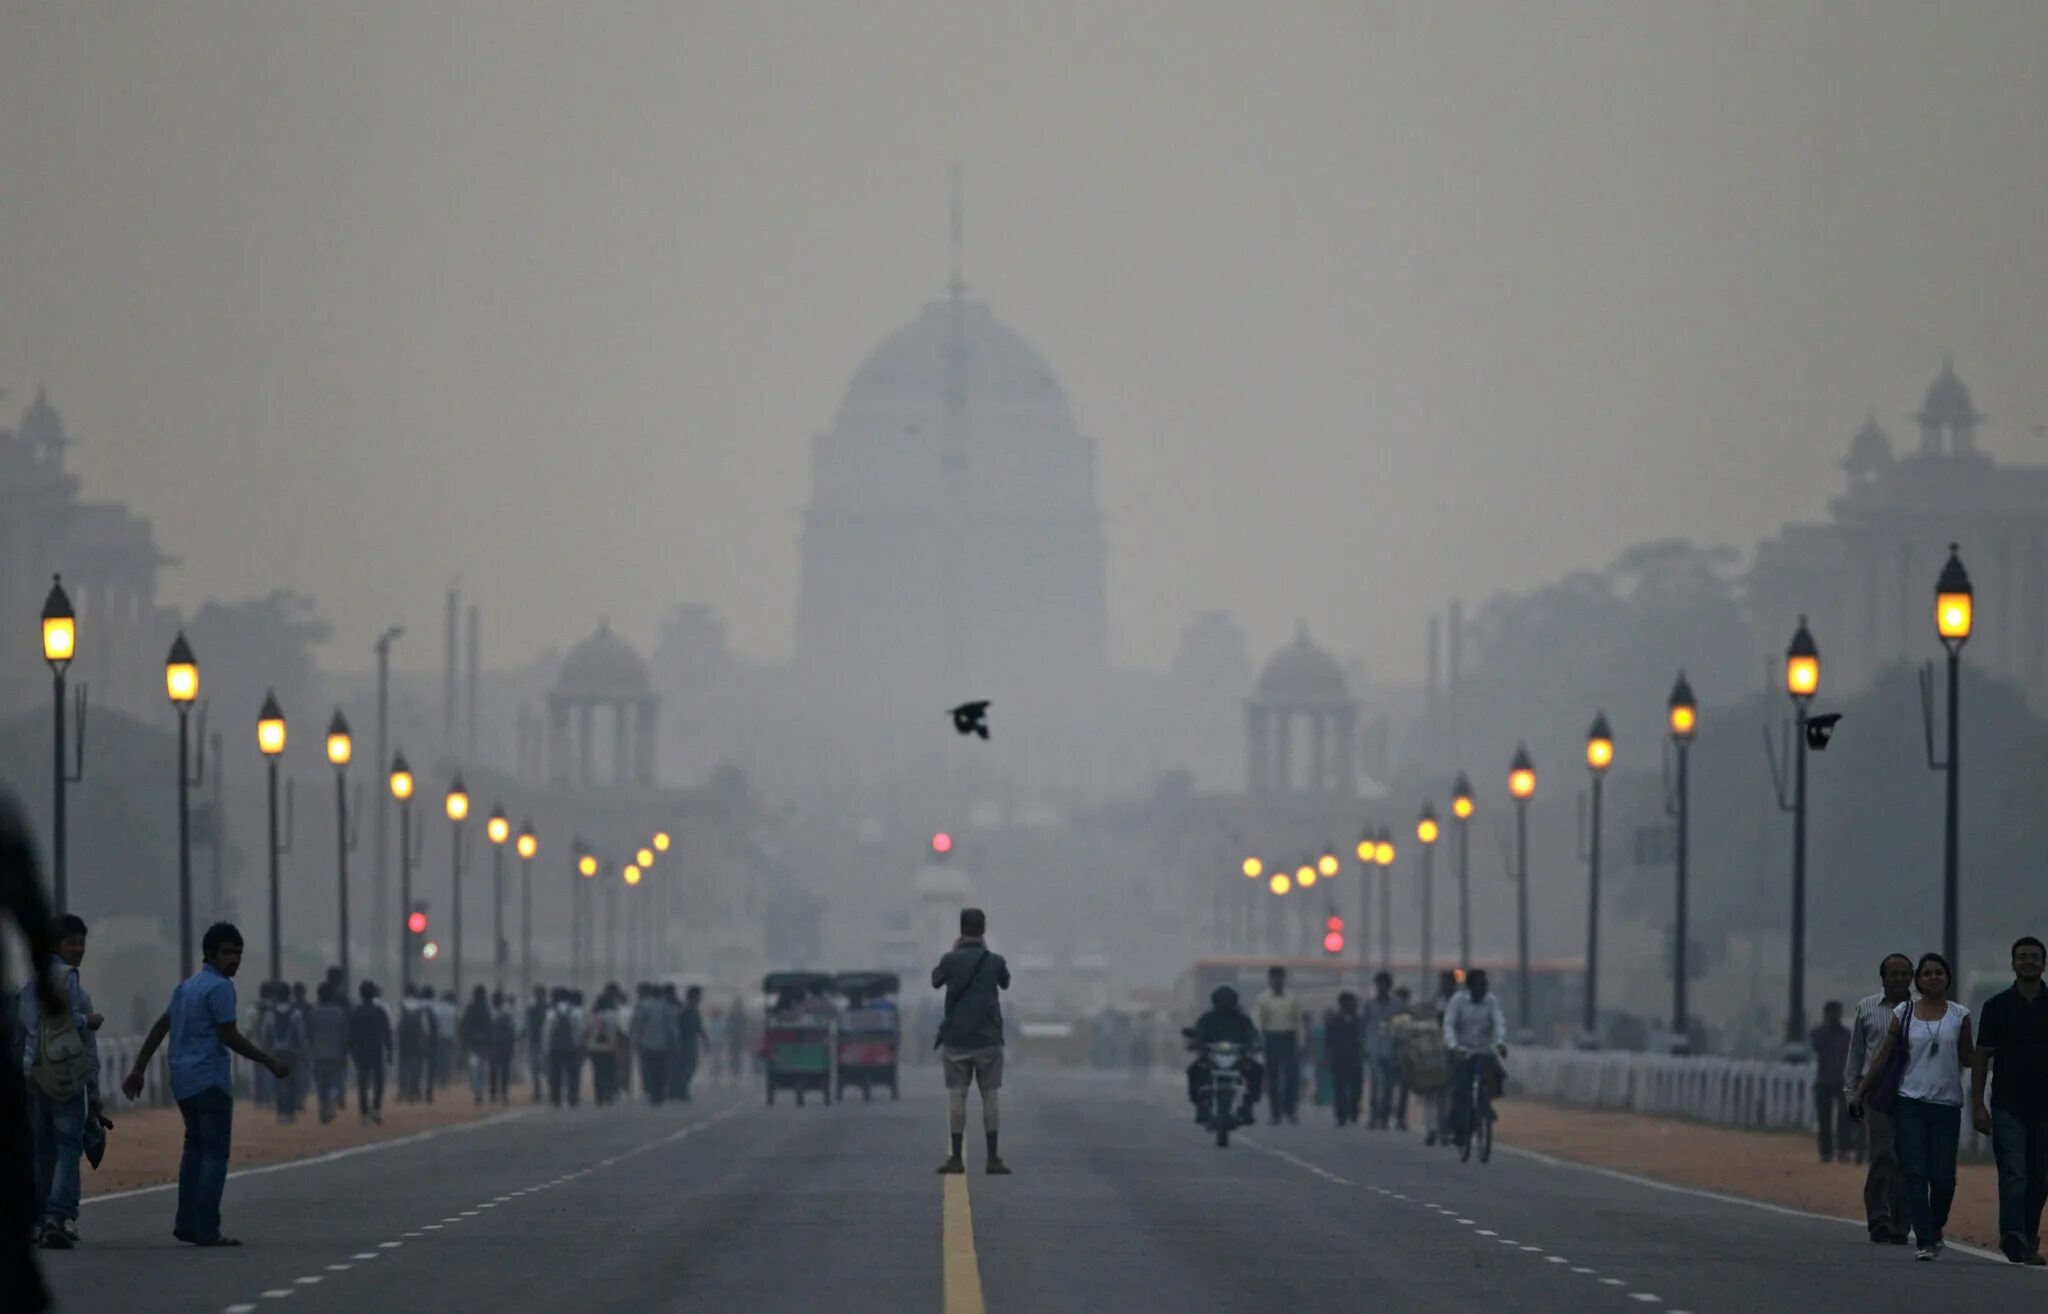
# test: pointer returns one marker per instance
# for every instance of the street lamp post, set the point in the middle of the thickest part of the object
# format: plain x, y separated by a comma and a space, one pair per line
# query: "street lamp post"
457, 804
1802, 681
340, 751
1426, 833
380, 863
1599, 757
580, 951
497, 829
1522, 786
1366, 849
401, 789
181, 682
60, 645
1383, 858
1462, 808
270, 739
1684, 718
1954, 617
529, 844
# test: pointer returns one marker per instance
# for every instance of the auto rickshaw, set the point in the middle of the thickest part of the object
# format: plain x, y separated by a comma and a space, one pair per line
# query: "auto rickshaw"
870, 1032
796, 1033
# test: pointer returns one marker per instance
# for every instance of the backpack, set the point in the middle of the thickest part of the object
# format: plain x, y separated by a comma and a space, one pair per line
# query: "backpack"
561, 1034
62, 1067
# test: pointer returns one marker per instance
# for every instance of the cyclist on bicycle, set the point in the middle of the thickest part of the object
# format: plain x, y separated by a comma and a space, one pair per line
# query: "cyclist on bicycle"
1476, 1033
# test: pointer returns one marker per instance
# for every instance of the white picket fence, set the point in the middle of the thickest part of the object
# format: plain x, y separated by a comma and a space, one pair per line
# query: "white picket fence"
1726, 1092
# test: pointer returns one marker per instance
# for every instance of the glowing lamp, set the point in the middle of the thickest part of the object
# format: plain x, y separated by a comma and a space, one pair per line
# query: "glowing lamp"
498, 828
457, 800
644, 857
401, 778
270, 727
1281, 883
529, 843
1599, 744
1462, 803
181, 672
587, 865
1253, 869
1327, 864
1802, 664
632, 874
661, 841
417, 923
60, 627
1426, 828
942, 842
341, 746
1954, 601
1522, 775
1684, 711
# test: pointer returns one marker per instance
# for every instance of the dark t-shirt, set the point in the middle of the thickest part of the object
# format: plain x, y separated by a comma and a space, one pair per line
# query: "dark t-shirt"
2017, 1033
977, 1017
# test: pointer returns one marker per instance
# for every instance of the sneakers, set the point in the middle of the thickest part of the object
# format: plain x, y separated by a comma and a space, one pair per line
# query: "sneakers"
997, 1168
57, 1237
1924, 1254
952, 1166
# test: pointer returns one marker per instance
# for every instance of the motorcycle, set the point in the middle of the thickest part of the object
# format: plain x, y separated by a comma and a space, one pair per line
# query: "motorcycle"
1224, 1097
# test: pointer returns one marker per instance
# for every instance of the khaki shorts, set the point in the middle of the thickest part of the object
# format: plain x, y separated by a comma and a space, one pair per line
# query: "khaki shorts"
974, 1067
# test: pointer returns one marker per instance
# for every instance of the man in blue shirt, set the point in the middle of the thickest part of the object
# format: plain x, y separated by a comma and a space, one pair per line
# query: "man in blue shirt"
201, 1025
63, 1094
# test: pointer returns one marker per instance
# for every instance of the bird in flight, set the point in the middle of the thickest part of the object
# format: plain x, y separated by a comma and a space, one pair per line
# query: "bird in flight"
971, 718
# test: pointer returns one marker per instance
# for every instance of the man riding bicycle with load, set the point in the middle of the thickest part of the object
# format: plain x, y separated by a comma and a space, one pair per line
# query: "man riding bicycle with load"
1476, 1033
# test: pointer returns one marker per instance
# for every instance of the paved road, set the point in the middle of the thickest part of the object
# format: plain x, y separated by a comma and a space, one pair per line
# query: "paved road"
1118, 1204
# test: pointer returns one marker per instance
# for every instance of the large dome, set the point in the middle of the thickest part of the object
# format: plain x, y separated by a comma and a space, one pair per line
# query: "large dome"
1004, 375
1948, 401
603, 665
1303, 673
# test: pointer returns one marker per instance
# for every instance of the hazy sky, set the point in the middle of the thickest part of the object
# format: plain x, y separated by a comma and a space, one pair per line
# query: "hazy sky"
1366, 304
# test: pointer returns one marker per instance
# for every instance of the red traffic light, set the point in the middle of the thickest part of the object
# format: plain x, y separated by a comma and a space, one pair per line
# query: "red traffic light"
942, 843
1335, 923
1334, 942
416, 923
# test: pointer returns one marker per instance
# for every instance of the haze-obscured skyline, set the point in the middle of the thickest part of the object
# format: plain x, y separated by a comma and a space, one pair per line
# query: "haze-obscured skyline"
1365, 306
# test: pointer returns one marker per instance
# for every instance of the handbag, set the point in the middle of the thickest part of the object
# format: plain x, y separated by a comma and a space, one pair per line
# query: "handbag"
1884, 1092
953, 1000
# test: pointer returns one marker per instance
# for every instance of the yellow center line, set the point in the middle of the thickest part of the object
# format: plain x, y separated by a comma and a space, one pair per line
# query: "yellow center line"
963, 1267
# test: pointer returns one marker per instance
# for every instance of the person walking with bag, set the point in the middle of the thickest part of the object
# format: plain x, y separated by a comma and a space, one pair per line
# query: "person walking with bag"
970, 1040
1919, 1068
1884, 1196
2012, 1048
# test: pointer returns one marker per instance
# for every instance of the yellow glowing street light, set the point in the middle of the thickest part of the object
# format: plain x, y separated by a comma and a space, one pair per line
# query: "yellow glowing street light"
1802, 665
181, 672
1954, 602
1327, 865
1462, 803
270, 734
1305, 876
457, 800
587, 865
1366, 849
1522, 775
498, 827
341, 746
1599, 745
529, 843
1383, 848
401, 778
1281, 883
632, 874
1684, 711
1253, 869
1426, 829
60, 627
645, 858
661, 841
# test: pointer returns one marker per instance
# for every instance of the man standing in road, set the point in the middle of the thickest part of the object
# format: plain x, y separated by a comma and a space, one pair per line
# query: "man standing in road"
1282, 1022
1884, 1194
201, 1025
971, 1034
536, 1034
2012, 1045
1344, 1043
1830, 1041
1380, 1010
369, 1046
690, 1037
60, 1055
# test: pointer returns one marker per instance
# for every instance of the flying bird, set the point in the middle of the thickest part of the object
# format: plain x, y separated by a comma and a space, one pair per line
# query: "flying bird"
1819, 729
971, 718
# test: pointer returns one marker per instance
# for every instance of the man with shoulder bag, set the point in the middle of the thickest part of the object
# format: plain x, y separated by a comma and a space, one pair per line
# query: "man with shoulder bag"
970, 1040
1884, 1198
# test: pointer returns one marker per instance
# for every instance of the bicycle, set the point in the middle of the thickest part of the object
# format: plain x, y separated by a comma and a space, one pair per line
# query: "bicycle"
1479, 1114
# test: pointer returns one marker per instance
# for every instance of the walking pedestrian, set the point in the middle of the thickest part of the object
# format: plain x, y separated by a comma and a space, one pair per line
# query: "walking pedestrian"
1374, 1018
1344, 1044
564, 1049
474, 1030
327, 1044
1935, 1031
200, 1024
504, 1044
1406, 1001
1884, 1193
1282, 1022
970, 1040
736, 1036
21, 897
1830, 1041
2012, 1047
690, 1037
60, 1055
284, 1034
536, 1038
302, 1073
654, 1033
1437, 1105
369, 1047
603, 1041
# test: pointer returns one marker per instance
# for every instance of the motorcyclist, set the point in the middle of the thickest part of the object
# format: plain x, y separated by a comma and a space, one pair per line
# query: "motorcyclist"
1224, 1023
1475, 1032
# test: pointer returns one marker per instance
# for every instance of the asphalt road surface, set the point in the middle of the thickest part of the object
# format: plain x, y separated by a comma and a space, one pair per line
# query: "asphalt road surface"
1118, 1203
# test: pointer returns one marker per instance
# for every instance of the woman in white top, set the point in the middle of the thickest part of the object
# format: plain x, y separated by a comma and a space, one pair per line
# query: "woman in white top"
1929, 1110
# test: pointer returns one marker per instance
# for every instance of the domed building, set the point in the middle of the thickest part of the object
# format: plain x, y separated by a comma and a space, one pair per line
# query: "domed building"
953, 543
602, 673
1302, 684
